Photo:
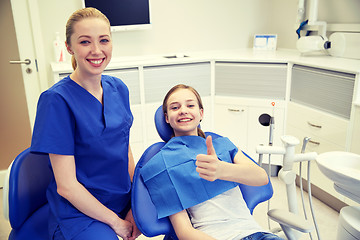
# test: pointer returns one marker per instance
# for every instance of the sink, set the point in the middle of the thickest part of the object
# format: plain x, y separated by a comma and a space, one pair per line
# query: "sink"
343, 168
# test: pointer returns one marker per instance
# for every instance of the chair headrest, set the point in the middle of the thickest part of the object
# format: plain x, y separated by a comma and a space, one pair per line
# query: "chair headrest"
163, 128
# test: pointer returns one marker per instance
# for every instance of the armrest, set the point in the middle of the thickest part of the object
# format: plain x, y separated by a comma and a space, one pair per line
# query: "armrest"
291, 220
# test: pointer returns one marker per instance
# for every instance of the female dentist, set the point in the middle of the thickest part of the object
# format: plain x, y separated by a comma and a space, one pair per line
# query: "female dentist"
83, 123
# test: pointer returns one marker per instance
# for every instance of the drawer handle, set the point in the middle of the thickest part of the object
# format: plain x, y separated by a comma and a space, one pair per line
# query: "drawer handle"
235, 110
314, 125
313, 142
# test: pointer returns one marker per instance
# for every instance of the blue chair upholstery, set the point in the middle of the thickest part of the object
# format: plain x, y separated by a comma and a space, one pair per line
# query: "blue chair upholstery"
143, 209
27, 204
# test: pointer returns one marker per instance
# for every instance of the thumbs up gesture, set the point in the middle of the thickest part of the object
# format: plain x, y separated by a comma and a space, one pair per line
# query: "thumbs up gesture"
208, 165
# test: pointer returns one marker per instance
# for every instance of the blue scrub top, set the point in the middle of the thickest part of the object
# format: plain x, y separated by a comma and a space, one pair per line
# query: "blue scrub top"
71, 121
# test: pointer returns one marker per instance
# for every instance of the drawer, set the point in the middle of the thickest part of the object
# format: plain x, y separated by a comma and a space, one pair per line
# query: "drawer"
317, 144
318, 124
317, 177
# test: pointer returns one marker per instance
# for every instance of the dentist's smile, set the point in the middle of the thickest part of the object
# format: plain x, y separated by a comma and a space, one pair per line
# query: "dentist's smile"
96, 61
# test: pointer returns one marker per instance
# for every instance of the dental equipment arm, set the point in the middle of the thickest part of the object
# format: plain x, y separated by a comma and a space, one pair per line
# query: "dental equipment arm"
289, 220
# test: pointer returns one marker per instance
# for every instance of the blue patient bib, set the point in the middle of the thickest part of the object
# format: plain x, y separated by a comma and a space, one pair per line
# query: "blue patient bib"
171, 177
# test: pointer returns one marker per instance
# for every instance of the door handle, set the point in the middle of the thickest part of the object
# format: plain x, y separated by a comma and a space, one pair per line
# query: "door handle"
26, 61
235, 110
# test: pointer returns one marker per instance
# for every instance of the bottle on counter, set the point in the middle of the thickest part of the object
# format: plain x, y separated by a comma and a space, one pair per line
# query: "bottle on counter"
59, 49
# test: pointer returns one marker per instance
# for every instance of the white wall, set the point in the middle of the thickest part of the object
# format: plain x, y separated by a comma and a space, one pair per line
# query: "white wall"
200, 25
177, 26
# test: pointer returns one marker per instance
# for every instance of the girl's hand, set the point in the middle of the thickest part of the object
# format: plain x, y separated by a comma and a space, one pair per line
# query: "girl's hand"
123, 228
208, 165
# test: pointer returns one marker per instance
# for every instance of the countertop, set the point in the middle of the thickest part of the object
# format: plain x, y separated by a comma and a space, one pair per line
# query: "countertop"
240, 55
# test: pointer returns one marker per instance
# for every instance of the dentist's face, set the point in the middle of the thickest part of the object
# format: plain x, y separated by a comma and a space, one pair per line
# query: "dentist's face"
183, 112
91, 45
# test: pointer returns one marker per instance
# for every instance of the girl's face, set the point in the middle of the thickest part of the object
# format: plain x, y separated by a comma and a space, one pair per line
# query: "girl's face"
91, 46
183, 112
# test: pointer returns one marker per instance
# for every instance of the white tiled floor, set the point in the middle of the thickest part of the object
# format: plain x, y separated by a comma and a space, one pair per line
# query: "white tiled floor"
326, 217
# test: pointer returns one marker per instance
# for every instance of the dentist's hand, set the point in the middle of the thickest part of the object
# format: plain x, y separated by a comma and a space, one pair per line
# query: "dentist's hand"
208, 165
123, 228
135, 231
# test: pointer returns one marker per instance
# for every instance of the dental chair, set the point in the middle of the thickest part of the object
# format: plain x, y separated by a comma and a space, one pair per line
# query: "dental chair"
25, 203
144, 211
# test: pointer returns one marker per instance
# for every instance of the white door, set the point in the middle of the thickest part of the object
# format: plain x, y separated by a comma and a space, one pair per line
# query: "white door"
19, 82
26, 27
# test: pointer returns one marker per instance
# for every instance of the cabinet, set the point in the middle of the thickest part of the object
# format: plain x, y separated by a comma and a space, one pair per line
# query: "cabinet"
244, 91
327, 133
236, 93
238, 119
254, 80
326, 90
320, 108
355, 138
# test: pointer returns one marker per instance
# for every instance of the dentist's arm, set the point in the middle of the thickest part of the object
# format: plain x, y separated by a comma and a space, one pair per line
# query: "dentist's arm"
131, 164
69, 188
243, 170
184, 229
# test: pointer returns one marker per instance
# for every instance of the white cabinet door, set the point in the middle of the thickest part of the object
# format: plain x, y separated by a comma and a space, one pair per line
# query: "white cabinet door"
328, 134
355, 138
230, 120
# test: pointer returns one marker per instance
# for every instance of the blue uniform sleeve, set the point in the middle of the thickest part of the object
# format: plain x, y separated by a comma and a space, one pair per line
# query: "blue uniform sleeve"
54, 126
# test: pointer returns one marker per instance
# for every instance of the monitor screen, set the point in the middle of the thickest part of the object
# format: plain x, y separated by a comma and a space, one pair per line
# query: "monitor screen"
124, 14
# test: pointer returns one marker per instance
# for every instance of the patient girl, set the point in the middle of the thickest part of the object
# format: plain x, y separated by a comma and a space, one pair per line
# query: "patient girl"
208, 203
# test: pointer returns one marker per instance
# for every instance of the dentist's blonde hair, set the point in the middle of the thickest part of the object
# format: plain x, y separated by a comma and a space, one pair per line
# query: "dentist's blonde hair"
78, 16
198, 98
